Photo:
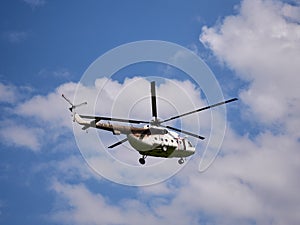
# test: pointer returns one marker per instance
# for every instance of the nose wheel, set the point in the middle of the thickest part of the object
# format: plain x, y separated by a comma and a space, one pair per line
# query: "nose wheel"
142, 160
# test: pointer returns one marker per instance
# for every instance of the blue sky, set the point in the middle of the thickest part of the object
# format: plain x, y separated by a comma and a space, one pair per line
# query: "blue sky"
252, 47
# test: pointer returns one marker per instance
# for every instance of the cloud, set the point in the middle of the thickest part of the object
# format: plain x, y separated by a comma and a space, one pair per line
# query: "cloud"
49, 113
256, 179
255, 182
291, 12
12, 94
91, 208
50, 109
261, 43
15, 36
79, 205
58, 73
21, 136
66, 166
110, 98
121, 100
27, 121
35, 3
12, 132
8, 93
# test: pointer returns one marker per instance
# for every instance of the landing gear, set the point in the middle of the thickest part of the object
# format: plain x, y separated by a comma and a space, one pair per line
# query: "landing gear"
180, 161
142, 160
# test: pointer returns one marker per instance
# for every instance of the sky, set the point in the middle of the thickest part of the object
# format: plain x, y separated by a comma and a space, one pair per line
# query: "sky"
48, 171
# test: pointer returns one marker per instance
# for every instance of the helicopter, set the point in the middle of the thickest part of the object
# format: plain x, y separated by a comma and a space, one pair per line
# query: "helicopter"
154, 139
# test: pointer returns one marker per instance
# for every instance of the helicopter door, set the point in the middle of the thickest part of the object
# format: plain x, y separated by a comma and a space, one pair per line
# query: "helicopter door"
181, 144
184, 145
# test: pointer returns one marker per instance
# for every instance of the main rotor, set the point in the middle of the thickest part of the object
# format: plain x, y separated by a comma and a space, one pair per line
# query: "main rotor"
155, 121
156, 125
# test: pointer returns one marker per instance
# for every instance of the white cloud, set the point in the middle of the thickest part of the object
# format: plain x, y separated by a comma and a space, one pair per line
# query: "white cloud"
117, 100
21, 136
12, 132
35, 3
8, 93
255, 182
51, 109
106, 97
291, 12
257, 179
245, 184
12, 94
90, 208
261, 43
58, 73
25, 120
68, 168
79, 205
15, 36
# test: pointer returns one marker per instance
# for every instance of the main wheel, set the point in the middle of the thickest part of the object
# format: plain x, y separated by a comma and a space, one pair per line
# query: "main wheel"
142, 161
180, 161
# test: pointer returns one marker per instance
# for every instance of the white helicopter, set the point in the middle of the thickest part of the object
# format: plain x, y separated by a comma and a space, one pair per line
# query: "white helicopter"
154, 139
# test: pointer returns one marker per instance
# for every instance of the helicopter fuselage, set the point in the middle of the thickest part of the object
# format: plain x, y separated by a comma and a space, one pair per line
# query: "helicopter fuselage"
153, 140
149, 140
161, 145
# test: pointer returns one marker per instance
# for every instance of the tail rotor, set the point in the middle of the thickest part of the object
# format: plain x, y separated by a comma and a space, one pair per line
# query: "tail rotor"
73, 107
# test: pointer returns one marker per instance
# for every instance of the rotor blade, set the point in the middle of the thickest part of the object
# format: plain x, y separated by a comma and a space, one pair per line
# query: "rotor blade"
84, 103
68, 100
118, 143
98, 118
186, 132
153, 99
201, 109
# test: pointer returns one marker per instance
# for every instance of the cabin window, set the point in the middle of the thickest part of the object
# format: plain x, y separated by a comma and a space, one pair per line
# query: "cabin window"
166, 140
172, 141
155, 138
